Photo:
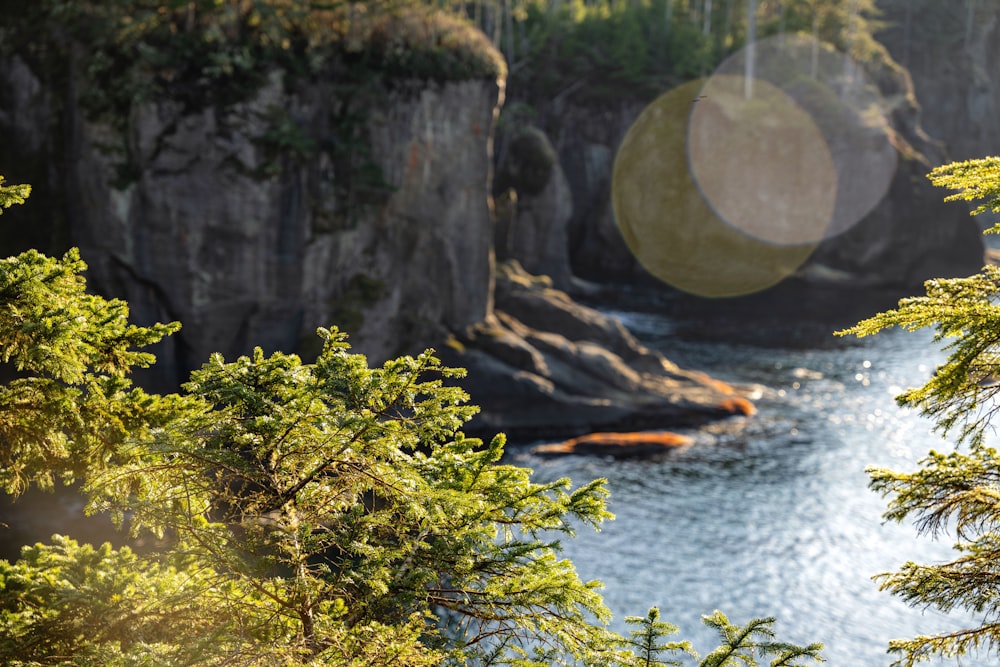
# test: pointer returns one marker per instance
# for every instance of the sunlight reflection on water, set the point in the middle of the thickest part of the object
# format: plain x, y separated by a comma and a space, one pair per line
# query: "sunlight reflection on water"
776, 518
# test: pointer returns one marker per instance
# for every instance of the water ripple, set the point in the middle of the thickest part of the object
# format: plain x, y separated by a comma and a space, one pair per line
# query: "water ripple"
773, 516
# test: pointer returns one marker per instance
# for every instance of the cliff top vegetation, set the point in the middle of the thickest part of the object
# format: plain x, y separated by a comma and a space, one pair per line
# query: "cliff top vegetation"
203, 52
607, 49
219, 51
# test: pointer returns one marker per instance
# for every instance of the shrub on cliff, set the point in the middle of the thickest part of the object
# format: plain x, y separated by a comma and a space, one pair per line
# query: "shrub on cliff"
215, 52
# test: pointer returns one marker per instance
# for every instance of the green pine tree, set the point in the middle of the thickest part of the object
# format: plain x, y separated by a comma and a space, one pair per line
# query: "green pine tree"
300, 514
314, 506
957, 492
648, 641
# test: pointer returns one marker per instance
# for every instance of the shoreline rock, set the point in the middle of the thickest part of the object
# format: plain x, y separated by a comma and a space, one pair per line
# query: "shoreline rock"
544, 366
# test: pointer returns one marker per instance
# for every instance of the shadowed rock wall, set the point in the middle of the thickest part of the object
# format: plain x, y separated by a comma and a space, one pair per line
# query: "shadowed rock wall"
253, 225
909, 237
951, 51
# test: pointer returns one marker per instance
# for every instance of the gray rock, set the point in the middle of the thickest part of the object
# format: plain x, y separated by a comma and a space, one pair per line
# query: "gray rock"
566, 369
250, 243
951, 52
533, 228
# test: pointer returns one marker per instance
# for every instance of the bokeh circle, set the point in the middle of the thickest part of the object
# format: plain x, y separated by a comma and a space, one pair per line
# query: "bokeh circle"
770, 163
669, 227
726, 186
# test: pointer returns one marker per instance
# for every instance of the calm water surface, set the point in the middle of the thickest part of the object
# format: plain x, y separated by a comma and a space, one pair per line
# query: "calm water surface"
772, 516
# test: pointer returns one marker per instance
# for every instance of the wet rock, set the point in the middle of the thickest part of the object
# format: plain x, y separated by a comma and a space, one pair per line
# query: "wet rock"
543, 365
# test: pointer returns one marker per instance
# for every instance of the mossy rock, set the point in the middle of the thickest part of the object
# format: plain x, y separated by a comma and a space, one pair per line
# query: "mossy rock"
529, 163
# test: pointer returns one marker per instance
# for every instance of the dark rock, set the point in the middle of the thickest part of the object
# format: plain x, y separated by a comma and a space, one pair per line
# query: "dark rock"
534, 209
912, 235
573, 370
950, 52
248, 242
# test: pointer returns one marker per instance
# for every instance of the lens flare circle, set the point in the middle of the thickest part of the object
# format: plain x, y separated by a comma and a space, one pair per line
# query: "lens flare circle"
783, 128
761, 162
668, 225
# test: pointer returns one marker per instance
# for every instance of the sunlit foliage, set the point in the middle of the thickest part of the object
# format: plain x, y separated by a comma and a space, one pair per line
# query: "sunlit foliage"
956, 492
12, 194
973, 180
294, 514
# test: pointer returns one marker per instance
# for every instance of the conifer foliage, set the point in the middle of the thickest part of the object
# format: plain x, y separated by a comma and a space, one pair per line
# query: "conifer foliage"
958, 491
12, 194
293, 514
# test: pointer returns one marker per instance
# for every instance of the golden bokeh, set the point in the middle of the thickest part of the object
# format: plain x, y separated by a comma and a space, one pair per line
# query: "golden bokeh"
666, 222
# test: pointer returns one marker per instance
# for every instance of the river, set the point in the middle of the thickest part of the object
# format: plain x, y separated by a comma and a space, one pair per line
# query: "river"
772, 517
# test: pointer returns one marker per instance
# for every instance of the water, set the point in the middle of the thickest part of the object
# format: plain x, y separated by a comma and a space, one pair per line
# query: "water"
773, 516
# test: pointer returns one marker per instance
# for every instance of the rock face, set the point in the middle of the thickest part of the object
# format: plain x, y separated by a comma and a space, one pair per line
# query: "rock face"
909, 237
592, 375
251, 227
585, 139
532, 227
951, 52
912, 235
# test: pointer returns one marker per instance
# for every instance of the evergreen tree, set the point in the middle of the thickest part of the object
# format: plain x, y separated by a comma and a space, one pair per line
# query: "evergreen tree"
12, 194
648, 641
300, 514
956, 491
741, 645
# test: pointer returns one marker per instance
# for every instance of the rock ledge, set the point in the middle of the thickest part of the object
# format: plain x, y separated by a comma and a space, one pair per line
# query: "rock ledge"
543, 366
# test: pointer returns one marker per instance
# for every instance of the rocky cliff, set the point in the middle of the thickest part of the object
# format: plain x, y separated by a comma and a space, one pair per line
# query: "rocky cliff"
248, 242
253, 223
944, 113
951, 52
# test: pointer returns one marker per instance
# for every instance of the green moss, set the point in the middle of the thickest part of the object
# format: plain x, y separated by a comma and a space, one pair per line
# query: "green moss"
208, 53
423, 42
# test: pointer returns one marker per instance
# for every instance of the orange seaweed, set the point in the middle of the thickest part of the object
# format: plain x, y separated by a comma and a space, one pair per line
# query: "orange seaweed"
737, 405
617, 444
